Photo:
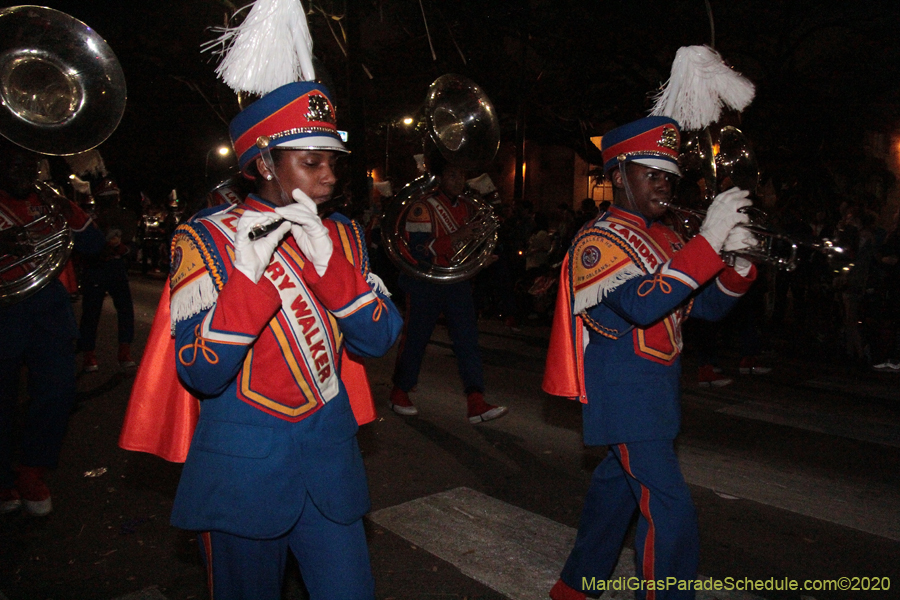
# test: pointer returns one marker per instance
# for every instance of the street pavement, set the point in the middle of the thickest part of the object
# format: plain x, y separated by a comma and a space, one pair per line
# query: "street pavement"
795, 476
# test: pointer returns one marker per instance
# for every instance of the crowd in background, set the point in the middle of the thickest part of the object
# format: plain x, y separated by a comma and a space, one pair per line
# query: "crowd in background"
843, 306
837, 306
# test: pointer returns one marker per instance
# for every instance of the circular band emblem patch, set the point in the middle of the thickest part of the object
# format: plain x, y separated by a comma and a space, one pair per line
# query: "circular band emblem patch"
590, 256
177, 256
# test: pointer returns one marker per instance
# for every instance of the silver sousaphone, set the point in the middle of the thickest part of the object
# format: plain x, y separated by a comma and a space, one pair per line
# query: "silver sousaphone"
460, 120
62, 91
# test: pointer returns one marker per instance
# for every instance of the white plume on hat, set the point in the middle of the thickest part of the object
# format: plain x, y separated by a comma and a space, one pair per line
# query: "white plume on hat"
87, 163
80, 186
384, 189
482, 184
700, 85
270, 48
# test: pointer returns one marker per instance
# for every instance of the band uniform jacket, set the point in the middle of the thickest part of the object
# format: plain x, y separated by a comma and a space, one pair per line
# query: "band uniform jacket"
627, 285
430, 223
275, 422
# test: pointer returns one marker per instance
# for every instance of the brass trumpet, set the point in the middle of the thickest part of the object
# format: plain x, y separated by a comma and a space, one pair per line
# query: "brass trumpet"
724, 159
774, 248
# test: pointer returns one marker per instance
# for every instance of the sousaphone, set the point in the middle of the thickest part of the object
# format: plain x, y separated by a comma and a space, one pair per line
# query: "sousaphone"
62, 91
460, 120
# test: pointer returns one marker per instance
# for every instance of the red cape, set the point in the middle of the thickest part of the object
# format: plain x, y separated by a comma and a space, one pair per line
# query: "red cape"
162, 414
564, 372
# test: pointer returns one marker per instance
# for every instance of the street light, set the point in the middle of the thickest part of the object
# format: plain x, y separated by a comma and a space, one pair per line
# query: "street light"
222, 150
405, 121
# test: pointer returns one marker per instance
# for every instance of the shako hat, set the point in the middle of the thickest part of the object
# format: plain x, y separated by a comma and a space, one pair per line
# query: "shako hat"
270, 55
298, 115
651, 141
106, 187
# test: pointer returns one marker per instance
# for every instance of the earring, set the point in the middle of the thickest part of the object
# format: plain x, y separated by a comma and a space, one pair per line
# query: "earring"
270, 177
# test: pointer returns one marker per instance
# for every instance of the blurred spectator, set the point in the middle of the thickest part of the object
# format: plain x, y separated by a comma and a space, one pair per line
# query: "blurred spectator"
857, 237
153, 239
540, 242
886, 346
107, 273
587, 212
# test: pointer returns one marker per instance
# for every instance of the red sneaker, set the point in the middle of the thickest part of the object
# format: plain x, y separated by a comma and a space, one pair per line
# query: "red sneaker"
125, 360
90, 362
561, 591
401, 404
480, 411
707, 377
34, 492
9, 501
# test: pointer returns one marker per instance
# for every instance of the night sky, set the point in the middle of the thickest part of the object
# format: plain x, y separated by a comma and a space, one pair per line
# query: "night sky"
826, 72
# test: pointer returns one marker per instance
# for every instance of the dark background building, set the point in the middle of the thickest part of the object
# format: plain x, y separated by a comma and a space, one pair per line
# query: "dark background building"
558, 72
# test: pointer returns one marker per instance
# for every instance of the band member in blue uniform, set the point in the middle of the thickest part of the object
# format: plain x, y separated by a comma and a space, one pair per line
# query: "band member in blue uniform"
107, 273
261, 324
629, 282
435, 227
39, 333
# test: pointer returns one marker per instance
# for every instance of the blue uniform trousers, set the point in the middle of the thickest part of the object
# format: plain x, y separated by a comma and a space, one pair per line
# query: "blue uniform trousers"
39, 333
108, 277
424, 304
644, 477
333, 559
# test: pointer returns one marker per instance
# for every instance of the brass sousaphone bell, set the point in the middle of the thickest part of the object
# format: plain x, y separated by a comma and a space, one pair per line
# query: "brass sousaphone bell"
460, 120
62, 92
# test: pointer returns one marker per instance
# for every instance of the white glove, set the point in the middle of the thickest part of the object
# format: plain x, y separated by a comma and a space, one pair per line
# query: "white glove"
723, 215
309, 232
742, 266
738, 240
252, 257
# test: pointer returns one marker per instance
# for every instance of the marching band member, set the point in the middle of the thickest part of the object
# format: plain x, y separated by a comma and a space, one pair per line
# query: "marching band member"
434, 229
107, 273
260, 326
627, 285
38, 332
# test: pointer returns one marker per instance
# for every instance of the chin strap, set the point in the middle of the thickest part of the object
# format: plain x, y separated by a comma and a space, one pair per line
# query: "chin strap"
263, 143
258, 231
626, 185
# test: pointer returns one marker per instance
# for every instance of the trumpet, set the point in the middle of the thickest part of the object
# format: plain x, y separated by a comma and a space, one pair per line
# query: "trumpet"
774, 248
723, 158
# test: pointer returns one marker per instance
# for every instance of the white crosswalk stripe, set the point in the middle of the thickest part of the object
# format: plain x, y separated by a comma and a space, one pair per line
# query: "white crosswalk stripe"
513, 551
867, 506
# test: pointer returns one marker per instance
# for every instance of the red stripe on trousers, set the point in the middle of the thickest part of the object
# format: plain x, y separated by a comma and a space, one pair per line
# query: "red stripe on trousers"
207, 551
647, 566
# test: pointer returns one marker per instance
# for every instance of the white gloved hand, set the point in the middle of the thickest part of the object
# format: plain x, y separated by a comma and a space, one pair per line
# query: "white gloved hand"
308, 230
740, 239
252, 257
723, 215
742, 266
